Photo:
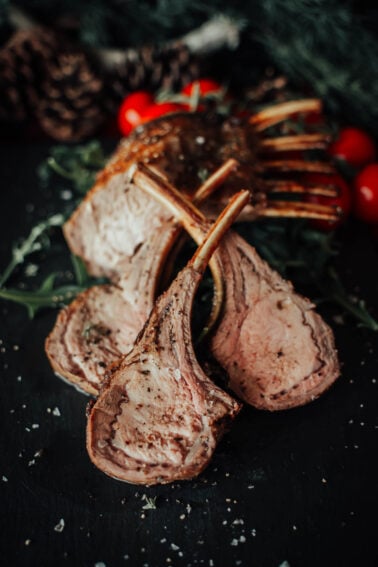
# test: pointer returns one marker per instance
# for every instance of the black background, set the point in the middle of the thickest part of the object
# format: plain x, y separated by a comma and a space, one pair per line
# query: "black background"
297, 486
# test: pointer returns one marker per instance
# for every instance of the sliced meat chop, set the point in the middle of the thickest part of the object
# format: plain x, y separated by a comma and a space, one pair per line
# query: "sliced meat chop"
102, 323
116, 218
160, 417
277, 351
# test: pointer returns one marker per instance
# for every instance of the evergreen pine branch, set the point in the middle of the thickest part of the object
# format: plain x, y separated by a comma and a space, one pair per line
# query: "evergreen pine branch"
332, 52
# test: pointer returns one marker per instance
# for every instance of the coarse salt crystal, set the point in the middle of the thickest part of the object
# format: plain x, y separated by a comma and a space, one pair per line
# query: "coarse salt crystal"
59, 526
31, 270
66, 195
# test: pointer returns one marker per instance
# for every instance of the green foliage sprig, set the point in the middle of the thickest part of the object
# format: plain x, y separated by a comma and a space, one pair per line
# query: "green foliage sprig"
305, 256
76, 164
48, 294
37, 239
45, 296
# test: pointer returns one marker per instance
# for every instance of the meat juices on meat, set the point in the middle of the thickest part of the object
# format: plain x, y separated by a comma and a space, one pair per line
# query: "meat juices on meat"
277, 351
160, 417
102, 323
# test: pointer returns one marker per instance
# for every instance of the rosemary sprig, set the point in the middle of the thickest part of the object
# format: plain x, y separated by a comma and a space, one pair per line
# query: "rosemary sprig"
305, 256
78, 165
196, 98
45, 296
356, 307
31, 244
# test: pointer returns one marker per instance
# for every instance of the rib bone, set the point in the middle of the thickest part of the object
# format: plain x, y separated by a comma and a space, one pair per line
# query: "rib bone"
277, 113
295, 142
279, 186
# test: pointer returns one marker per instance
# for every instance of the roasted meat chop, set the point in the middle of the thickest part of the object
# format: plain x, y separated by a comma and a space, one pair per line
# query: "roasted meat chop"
115, 218
102, 323
277, 351
160, 417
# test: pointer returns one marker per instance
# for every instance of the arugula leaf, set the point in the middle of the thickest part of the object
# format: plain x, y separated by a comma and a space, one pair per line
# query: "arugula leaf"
47, 295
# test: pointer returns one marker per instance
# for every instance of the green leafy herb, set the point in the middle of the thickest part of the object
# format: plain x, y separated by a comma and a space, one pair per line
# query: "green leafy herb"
33, 243
305, 255
47, 295
78, 165
356, 307
196, 98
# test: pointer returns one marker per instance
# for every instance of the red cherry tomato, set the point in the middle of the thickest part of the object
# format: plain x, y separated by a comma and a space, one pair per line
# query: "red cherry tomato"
129, 114
159, 109
354, 146
365, 197
206, 86
343, 200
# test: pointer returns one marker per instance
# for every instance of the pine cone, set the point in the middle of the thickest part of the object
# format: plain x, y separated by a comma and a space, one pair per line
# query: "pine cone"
152, 68
45, 76
21, 71
72, 104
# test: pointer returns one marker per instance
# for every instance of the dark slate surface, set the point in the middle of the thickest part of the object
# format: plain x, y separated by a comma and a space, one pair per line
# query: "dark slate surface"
297, 486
